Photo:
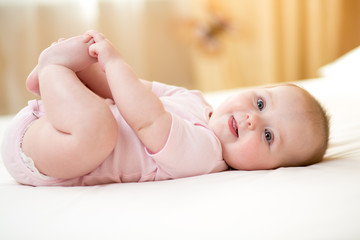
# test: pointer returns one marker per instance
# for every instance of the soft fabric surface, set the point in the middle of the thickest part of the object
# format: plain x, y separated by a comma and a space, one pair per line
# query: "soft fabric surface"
321, 201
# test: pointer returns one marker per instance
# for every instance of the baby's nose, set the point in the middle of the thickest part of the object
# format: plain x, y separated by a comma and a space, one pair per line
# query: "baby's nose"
252, 121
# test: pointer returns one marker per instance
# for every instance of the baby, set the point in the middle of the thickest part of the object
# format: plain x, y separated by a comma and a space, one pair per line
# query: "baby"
97, 123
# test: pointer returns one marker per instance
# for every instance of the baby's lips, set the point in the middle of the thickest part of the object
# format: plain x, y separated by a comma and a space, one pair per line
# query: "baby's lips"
232, 124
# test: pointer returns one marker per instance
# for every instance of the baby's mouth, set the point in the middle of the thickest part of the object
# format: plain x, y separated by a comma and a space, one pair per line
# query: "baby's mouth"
233, 126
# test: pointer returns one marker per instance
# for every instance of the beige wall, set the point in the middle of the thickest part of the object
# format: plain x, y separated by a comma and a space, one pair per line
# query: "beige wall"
142, 30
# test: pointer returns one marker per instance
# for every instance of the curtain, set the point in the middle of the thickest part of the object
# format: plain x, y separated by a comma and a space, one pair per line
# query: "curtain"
313, 33
244, 43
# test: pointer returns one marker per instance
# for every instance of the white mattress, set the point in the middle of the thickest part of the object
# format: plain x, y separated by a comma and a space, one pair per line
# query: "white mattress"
321, 201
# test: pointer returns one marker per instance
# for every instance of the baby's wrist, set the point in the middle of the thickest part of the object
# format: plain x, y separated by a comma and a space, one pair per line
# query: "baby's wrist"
112, 64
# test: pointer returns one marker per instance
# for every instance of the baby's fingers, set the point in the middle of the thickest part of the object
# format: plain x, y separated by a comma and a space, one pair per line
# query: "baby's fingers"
93, 50
98, 37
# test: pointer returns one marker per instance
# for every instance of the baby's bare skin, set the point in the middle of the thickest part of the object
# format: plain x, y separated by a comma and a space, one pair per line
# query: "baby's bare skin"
78, 131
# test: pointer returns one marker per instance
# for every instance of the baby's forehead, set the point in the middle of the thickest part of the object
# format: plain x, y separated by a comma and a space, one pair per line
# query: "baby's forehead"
277, 94
287, 91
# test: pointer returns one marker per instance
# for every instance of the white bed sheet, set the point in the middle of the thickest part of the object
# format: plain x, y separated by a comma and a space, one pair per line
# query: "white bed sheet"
321, 201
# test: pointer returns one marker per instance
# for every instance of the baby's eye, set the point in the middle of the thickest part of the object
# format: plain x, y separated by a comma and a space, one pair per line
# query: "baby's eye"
260, 104
268, 136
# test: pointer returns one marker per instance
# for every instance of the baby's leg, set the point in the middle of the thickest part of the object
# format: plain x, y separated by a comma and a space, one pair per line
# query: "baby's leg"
32, 81
92, 76
78, 131
95, 79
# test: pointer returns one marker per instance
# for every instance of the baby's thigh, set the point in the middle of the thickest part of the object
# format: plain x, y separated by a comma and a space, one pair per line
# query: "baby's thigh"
61, 155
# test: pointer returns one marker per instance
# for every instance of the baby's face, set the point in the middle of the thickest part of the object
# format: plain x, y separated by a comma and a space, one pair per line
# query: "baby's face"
263, 128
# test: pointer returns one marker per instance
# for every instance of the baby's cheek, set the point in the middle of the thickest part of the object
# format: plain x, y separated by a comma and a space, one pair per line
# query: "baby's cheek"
249, 144
252, 154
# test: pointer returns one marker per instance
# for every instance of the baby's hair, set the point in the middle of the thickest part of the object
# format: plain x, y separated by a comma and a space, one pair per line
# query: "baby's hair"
320, 120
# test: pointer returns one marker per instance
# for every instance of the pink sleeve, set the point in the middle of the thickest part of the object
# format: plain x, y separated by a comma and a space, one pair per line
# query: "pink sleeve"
190, 150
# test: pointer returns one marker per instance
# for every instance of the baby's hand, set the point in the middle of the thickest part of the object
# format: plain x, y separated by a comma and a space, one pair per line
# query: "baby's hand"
102, 49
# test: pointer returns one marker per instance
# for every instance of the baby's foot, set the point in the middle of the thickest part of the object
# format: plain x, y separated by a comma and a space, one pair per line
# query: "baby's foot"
32, 82
72, 53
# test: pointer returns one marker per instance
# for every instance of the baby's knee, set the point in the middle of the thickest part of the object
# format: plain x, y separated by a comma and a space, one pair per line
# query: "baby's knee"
96, 143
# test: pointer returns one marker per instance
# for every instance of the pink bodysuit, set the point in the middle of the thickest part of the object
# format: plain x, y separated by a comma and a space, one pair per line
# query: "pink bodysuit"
191, 149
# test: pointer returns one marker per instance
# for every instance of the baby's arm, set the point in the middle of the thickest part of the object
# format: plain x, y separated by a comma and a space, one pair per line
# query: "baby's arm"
139, 106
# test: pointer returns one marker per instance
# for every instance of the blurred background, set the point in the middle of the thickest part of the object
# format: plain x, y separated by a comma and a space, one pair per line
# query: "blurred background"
203, 44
